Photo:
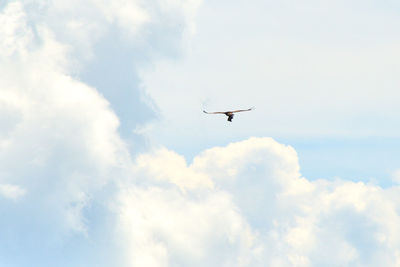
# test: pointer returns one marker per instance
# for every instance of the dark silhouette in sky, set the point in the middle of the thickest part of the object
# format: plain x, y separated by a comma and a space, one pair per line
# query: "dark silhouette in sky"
228, 113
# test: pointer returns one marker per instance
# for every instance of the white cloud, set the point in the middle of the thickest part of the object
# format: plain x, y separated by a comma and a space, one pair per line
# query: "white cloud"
60, 128
14, 32
12, 192
164, 227
83, 24
279, 218
128, 14
80, 192
60, 150
168, 166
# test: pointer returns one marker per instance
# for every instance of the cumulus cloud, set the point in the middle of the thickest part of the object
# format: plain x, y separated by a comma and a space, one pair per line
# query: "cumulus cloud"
58, 144
271, 214
164, 227
60, 151
164, 165
80, 197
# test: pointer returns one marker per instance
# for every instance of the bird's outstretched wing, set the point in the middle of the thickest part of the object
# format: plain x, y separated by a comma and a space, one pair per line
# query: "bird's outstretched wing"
241, 110
218, 112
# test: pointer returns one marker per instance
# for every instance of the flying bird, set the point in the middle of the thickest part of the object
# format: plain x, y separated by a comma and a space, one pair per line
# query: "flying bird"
228, 113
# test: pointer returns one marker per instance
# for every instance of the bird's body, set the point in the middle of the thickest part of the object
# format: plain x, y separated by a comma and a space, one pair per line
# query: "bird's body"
228, 113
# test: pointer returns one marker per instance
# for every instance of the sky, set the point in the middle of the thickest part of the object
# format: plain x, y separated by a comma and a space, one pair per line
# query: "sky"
106, 158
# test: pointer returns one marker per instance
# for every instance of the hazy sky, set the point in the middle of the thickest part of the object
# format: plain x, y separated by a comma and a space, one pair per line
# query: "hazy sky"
106, 158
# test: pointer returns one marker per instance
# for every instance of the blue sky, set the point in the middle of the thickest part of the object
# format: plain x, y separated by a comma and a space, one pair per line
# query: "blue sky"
322, 76
106, 158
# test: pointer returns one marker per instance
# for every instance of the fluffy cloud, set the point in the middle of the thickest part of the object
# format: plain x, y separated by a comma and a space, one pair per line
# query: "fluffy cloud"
61, 152
59, 142
271, 215
74, 194
170, 167
164, 227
